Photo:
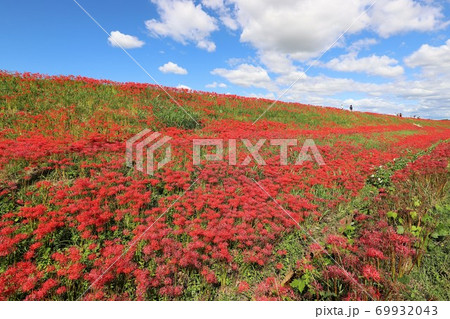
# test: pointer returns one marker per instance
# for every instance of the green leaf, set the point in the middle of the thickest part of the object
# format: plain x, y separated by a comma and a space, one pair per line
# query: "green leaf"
439, 208
400, 230
415, 230
413, 214
299, 284
392, 215
427, 218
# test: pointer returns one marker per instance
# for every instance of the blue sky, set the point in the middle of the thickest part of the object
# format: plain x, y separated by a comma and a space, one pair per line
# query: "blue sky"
394, 57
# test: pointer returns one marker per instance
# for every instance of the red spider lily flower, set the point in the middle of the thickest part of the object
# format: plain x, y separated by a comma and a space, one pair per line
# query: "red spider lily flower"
370, 272
243, 287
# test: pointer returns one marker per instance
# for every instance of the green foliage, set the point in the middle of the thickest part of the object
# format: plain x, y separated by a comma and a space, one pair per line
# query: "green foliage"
303, 283
442, 229
299, 284
381, 178
348, 231
431, 281
392, 215
172, 115
416, 230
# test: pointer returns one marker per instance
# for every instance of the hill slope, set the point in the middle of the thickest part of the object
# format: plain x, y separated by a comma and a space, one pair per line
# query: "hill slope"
77, 222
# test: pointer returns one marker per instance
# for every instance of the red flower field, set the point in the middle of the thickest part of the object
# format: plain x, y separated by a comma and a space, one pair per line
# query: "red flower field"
76, 223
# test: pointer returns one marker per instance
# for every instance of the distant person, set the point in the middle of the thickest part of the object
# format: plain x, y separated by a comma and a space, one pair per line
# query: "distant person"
400, 114
351, 107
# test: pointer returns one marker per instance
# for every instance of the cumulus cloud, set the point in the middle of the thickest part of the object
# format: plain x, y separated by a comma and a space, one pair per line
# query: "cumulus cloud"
287, 34
183, 87
372, 65
118, 39
299, 28
171, 67
432, 60
277, 62
229, 22
428, 98
425, 97
362, 44
207, 45
214, 4
304, 29
247, 75
184, 22
225, 13
390, 17
216, 85
291, 77
432, 86
268, 96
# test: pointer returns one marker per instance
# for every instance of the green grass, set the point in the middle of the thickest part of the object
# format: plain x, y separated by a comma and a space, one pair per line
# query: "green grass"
431, 280
172, 115
88, 99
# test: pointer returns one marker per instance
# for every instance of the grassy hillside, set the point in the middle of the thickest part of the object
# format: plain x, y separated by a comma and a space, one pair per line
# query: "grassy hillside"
77, 223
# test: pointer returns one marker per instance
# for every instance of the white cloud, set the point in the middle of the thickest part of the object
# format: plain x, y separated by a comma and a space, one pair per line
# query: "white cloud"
390, 17
183, 87
287, 34
277, 62
299, 28
268, 96
171, 67
432, 60
428, 99
236, 61
118, 39
247, 75
362, 44
304, 29
373, 65
289, 78
425, 97
207, 45
224, 12
184, 22
214, 4
326, 86
216, 85
229, 22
